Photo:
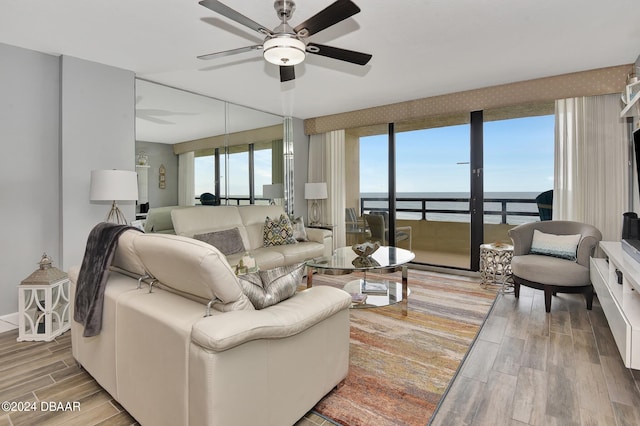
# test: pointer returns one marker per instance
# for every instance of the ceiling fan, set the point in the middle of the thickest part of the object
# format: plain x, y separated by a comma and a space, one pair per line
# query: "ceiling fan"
286, 46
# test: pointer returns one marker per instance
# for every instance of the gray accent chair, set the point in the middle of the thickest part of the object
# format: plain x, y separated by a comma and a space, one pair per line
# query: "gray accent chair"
551, 274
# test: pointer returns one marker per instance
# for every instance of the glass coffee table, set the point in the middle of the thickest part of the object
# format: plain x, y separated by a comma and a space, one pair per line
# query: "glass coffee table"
367, 293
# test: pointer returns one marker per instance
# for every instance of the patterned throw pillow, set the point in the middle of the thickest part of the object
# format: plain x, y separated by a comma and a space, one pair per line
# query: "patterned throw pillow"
228, 241
562, 246
266, 288
278, 232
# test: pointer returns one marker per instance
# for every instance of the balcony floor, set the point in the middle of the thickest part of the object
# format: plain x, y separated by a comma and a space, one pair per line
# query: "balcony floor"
441, 258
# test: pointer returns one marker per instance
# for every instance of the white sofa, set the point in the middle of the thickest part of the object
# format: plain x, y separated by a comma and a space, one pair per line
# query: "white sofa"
167, 363
250, 223
159, 219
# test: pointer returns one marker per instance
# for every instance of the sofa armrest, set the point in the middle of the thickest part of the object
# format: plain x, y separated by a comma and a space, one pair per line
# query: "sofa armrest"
322, 236
521, 236
159, 220
586, 248
292, 316
318, 235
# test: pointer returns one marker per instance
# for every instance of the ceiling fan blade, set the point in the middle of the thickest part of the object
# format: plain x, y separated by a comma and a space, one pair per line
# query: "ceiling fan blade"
358, 58
287, 73
332, 14
225, 10
230, 52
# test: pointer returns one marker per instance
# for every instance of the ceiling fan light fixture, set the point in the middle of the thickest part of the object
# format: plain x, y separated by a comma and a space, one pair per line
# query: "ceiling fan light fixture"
285, 51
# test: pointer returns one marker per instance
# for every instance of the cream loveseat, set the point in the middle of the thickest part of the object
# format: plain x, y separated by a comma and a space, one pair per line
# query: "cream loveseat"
167, 363
159, 220
249, 220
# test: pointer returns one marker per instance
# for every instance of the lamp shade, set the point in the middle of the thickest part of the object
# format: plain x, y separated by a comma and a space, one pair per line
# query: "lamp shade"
114, 185
315, 191
275, 190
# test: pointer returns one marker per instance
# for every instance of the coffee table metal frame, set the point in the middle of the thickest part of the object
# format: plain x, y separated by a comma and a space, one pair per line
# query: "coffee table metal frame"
385, 259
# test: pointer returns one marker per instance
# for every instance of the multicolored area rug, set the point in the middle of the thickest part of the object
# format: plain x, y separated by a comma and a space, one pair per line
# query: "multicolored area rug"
401, 365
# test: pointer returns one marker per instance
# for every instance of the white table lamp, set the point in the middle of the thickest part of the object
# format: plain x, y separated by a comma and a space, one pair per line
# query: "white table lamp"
114, 186
315, 191
273, 191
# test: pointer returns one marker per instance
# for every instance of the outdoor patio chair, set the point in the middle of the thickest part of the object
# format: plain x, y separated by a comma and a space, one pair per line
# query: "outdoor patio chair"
545, 205
378, 226
208, 199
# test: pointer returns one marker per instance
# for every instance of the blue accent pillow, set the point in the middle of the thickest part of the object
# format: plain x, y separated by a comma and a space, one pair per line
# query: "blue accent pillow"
562, 246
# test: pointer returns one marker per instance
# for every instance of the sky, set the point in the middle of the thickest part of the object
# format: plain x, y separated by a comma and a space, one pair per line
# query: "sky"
239, 173
518, 157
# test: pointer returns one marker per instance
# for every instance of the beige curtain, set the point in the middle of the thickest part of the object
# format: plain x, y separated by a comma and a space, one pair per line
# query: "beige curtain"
327, 164
186, 186
591, 157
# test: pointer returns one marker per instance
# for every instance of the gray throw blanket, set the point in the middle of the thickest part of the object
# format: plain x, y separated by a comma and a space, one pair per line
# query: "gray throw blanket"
92, 278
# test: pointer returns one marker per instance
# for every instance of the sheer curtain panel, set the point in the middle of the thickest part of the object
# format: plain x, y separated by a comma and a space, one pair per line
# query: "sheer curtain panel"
327, 164
186, 186
591, 163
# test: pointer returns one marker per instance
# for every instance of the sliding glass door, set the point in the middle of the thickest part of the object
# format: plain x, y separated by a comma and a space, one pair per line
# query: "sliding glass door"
374, 191
518, 165
427, 197
454, 182
432, 193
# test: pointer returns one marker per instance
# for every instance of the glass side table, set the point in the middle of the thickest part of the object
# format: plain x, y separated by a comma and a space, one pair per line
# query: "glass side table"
367, 293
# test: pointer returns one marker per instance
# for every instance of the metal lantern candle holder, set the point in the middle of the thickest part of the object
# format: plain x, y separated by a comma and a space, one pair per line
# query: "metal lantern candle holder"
43, 303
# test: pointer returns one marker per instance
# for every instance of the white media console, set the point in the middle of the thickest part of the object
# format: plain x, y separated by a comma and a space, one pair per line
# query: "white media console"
620, 302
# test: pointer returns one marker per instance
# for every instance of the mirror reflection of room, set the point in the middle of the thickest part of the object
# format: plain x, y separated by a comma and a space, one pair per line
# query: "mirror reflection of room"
196, 150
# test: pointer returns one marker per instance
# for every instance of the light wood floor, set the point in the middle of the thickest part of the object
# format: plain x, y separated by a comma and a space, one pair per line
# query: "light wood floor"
526, 368
36, 372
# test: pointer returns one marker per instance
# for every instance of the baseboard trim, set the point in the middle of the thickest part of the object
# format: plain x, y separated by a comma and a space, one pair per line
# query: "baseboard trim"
9, 321
444, 270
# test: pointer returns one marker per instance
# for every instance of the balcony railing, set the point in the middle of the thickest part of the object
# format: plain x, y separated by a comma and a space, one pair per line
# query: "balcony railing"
240, 201
454, 209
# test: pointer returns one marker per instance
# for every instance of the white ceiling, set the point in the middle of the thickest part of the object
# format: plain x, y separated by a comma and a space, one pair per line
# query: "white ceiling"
167, 115
420, 48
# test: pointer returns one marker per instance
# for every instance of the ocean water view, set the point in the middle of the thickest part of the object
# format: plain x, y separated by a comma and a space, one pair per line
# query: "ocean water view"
410, 206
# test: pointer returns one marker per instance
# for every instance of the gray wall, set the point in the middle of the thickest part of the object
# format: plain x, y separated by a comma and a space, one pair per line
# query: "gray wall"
29, 167
98, 132
160, 153
60, 118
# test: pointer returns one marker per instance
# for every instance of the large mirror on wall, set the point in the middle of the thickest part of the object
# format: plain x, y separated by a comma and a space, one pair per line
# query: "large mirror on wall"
193, 149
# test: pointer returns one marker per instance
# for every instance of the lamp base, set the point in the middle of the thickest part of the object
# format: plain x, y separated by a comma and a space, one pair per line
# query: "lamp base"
314, 215
115, 215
